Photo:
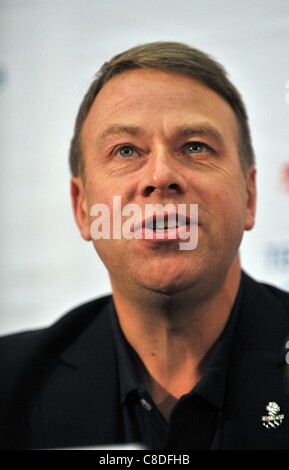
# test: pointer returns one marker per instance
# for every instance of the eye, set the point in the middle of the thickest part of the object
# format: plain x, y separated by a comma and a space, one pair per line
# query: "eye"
196, 147
125, 151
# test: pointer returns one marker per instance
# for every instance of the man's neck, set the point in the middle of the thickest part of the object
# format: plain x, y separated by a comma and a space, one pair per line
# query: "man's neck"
173, 338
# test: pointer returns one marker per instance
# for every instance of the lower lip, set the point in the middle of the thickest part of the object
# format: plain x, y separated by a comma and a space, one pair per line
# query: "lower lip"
169, 235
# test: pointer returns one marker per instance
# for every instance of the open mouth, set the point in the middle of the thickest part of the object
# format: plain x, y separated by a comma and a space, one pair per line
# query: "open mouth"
165, 227
166, 222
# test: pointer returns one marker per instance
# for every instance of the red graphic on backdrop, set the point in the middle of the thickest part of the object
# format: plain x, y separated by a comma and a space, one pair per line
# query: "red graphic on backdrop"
285, 177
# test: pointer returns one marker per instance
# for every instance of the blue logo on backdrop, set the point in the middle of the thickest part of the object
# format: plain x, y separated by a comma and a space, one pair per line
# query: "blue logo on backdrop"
277, 256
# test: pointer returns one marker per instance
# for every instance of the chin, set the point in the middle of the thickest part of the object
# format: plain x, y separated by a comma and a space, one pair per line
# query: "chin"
167, 287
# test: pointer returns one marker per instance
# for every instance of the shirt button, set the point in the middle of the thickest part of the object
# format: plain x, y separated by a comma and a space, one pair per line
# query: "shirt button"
145, 404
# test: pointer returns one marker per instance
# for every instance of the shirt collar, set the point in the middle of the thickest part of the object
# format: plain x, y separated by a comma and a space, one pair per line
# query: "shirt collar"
212, 385
128, 378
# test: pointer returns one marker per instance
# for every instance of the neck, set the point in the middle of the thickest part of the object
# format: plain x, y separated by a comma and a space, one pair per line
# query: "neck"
173, 336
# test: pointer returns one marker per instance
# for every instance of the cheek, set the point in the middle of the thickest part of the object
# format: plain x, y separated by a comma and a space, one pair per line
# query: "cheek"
103, 187
99, 190
224, 199
113, 255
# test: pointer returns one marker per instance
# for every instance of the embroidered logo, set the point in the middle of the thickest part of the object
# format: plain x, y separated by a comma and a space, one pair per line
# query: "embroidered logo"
274, 419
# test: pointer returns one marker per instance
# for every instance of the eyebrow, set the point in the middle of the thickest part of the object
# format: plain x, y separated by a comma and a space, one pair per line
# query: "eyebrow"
202, 130
116, 129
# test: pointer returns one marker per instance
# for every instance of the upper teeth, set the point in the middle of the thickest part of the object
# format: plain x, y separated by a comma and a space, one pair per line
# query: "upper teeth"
166, 223
164, 226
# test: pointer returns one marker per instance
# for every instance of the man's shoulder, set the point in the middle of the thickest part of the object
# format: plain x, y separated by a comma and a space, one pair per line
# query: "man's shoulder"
48, 366
16, 349
280, 294
264, 317
258, 290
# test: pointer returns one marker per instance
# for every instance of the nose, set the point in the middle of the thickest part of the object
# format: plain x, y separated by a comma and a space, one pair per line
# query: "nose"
162, 176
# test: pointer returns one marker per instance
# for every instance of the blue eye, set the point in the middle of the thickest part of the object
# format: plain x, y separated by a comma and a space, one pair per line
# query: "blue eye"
126, 151
196, 147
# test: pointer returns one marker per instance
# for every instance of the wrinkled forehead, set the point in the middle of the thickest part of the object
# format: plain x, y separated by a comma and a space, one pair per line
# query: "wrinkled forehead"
142, 94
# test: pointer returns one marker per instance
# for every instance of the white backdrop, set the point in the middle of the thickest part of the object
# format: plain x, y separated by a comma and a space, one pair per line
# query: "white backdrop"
49, 51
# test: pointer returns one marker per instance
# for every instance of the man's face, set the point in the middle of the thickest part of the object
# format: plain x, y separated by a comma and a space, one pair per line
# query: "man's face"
154, 137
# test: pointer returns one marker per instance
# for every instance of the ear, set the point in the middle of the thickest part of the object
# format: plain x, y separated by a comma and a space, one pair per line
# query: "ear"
251, 198
79, 205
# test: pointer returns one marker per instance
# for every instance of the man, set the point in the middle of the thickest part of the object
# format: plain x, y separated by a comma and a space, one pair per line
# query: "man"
189, 352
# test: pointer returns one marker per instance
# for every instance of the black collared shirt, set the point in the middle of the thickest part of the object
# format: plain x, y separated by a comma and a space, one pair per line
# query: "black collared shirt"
195, 420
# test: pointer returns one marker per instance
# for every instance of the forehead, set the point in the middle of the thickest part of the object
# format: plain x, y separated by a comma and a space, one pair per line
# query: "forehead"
151, 96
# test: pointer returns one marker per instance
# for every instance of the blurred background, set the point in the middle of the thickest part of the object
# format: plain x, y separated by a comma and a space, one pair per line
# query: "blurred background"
49, 52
